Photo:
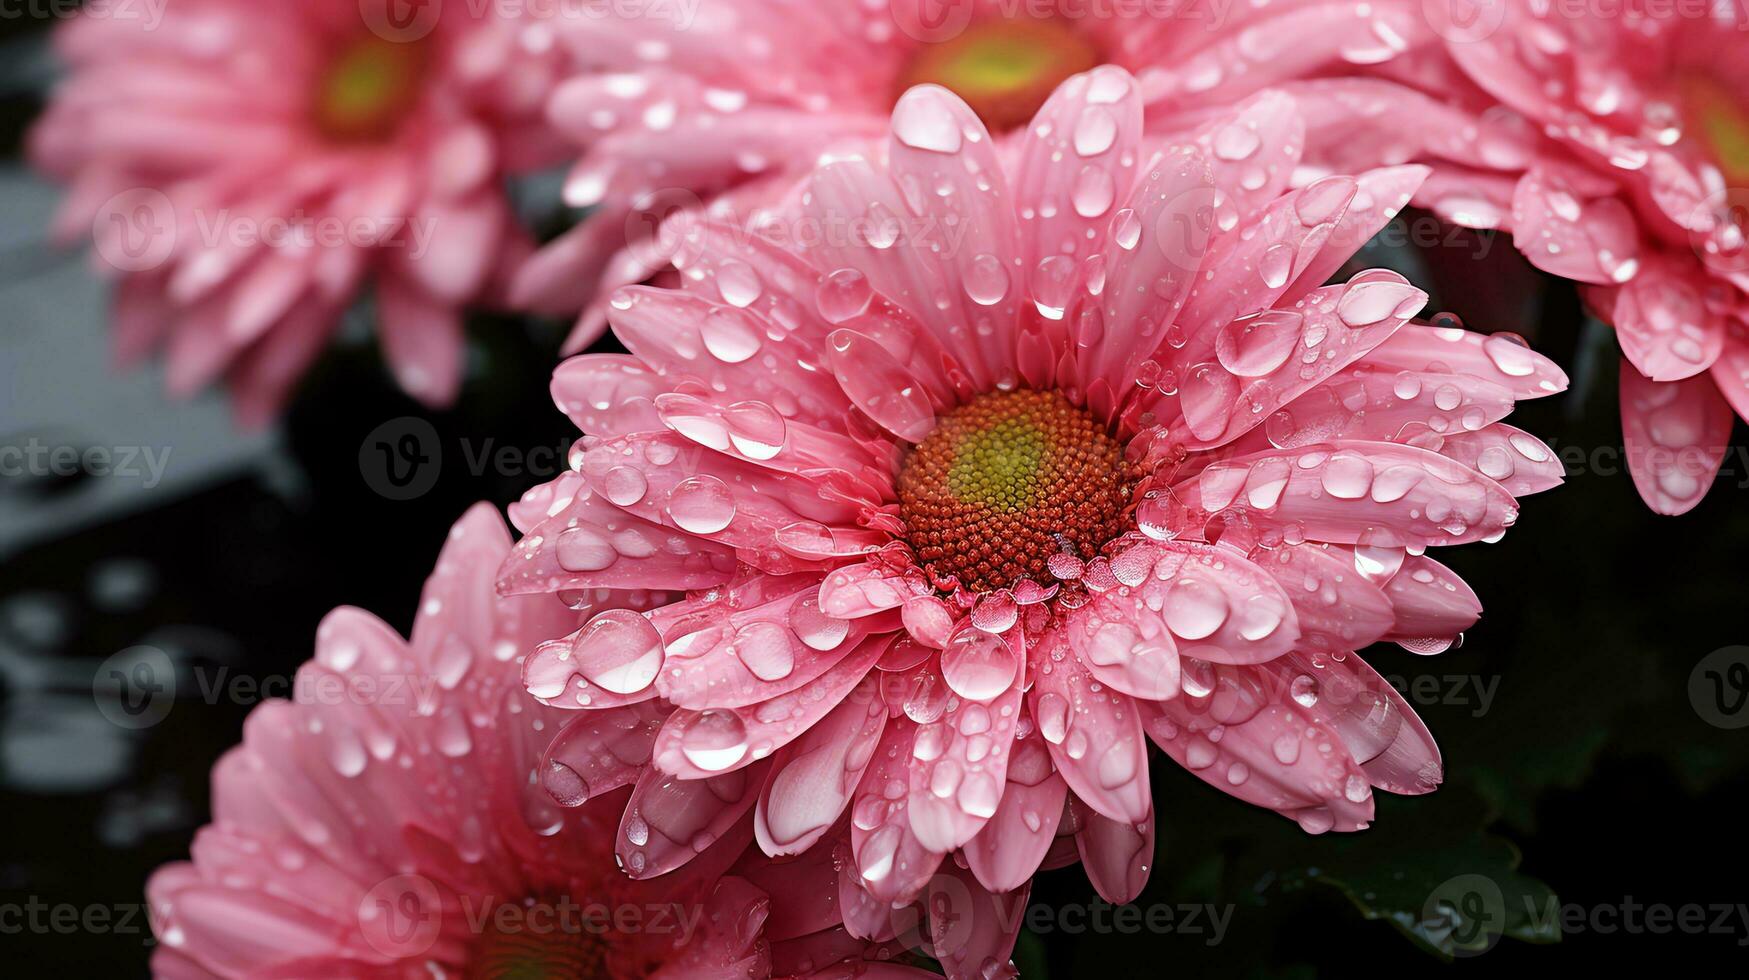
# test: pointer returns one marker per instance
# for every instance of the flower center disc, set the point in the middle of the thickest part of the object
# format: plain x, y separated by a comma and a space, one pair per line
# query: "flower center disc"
1008, 481
368, 89
1004, 69
537, 950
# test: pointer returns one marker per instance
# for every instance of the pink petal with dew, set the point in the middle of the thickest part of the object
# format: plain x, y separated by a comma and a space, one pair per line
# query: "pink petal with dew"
1156, 245
1378, 727
1094, 734
1339, 606
684, 337
1664, 324
609, 662
1095, 119
1429, 601
698, 744
812, 778
890, 862
667, 479
960, 760
1341, 491
1381, 196
886, 248
972, 931
1382, 405
591, 544
669, 820
1252, 152
1504, 359
861, 590
1513, 458
1005, 854
1593, 241
1267, 360
1115, 855
1676, 435
608, 394
599, 751
1254, 263
755, 653
1217, 604
1251, 737
954, 185
1125, 645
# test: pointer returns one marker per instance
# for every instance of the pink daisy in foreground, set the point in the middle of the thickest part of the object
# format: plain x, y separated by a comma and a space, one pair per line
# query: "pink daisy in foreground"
1034, 453
1613, 144
249, 168
725, 105
386, 822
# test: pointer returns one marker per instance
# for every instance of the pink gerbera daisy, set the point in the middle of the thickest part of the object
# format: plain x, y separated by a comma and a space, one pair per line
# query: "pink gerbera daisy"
1613, 143
727, 104
249, 167
1030, 453
386, 823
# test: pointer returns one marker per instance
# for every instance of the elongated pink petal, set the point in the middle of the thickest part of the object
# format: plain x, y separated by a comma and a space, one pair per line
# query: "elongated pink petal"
1115, 854
669, 820
1006, 853
698, 744
890, 862
812, 779
1677, 433
598, 751
1094, 734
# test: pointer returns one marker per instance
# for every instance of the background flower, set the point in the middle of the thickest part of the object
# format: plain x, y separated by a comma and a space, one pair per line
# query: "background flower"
722, 107
384, 822
1610, 143
247, 170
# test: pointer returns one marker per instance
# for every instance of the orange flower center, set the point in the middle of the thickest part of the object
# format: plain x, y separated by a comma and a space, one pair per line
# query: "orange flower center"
1005, 69
1006, 482
368, 89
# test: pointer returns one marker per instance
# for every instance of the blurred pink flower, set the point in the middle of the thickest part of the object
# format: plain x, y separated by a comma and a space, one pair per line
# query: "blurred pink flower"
249, 168
1613, 143
725, 105
1029, 453
385, 822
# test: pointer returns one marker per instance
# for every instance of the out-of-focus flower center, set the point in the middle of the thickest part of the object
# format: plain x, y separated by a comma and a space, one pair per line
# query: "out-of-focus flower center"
1719, 117
367, 90
1004, 69
1006, 482
537, 948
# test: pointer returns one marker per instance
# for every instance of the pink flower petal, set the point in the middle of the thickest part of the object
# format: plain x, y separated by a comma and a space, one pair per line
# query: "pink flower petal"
813, 778
1005, 854
669, 820
1677, 434
1094, 734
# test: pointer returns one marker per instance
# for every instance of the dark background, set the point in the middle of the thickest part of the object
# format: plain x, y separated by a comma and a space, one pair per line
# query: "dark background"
1592, 780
